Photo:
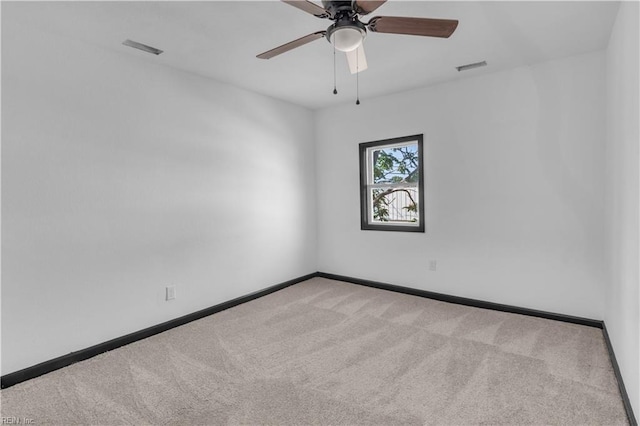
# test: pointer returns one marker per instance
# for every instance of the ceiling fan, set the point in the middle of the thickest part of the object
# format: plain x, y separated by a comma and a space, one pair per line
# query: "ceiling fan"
347, 32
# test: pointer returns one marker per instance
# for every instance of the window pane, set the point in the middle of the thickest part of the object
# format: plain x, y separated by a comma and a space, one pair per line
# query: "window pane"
395, 164
392, 184
394, 205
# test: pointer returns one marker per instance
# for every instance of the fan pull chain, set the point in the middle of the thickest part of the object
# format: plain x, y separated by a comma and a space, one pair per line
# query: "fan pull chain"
335, 90
357, 78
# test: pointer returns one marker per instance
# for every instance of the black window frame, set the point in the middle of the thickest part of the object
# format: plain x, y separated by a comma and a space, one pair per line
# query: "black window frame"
364, 200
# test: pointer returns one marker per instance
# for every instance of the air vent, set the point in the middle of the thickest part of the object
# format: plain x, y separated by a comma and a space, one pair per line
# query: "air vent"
472, 66
142, 47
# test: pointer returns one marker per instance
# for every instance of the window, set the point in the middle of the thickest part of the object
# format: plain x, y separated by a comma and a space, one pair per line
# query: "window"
391, 185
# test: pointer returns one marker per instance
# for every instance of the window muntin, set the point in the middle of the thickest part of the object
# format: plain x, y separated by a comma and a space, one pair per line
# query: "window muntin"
392, 184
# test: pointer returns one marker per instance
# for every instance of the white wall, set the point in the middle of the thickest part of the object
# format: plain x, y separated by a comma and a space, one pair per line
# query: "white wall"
514, 187
120, 177
622, 315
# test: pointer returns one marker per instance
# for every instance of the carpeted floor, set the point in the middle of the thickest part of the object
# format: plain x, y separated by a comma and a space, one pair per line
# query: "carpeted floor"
327, 352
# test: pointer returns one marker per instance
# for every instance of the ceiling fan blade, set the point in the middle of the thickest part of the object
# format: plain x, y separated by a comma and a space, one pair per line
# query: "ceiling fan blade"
357, 60
308, 7
364, 7
291, 45
413, 26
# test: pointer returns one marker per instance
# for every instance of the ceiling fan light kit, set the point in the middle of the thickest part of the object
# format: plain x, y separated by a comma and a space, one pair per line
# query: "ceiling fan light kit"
347, 32
346, 37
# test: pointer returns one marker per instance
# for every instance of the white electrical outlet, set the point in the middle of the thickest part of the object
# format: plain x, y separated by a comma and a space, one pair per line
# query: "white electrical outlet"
171, 292
433, 265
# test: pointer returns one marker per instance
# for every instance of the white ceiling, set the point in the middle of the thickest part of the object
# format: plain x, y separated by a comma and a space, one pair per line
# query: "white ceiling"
221, 39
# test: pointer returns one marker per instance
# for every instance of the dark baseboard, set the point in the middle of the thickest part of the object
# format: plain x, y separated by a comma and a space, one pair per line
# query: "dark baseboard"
465, 301
62, 361
48, 366
503, 308
616, 371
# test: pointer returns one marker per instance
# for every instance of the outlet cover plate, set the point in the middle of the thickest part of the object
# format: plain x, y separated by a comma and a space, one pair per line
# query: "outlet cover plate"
171, 292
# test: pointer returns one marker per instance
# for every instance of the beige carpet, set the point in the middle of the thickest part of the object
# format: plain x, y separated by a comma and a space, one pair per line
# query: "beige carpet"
327, 352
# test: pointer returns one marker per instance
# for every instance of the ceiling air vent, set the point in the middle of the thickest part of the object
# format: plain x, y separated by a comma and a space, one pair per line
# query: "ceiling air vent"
141, 46
472, 66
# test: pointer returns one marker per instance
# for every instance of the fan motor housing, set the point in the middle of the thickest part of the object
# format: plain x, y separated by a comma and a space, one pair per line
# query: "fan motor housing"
338, 7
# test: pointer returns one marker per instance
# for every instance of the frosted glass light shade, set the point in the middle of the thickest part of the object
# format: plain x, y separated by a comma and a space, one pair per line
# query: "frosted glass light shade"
346, 39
